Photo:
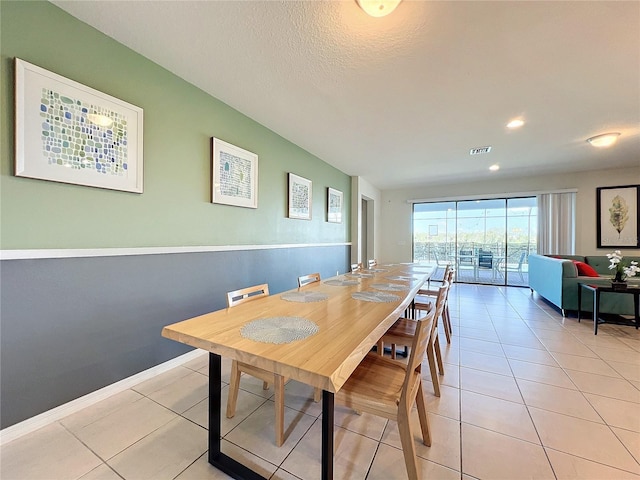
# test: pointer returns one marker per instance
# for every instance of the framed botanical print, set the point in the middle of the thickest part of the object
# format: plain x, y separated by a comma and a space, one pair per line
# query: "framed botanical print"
618, 216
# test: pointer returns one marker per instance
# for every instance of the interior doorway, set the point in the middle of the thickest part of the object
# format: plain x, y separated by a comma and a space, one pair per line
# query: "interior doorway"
364, 236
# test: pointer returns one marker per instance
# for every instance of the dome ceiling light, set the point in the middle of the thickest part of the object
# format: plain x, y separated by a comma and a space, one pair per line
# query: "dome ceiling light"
604, 140
378, 8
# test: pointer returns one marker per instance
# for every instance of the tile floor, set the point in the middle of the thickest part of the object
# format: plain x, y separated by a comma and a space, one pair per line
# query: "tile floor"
526, 394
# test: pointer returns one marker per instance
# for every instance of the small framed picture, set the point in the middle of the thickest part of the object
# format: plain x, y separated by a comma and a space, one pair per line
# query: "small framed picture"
68, 132
618, 216
234, 175
334, 205
300, 197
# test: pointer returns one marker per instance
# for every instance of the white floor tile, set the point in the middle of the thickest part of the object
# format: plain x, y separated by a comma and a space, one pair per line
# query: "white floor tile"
517, 374
48, 453
164, 453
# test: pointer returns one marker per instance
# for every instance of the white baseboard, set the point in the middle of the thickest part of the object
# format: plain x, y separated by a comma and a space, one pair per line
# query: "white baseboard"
31, 424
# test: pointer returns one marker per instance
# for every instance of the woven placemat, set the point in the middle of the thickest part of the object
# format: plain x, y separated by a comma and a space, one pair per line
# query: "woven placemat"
375, 297
392, 287
374, 270
342, 283
398, 277
360, 275
304, 297
279, 330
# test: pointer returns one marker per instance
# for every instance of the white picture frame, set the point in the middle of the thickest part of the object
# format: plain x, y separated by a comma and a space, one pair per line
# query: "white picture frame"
70, 133
234, 175
300, 197
334, 205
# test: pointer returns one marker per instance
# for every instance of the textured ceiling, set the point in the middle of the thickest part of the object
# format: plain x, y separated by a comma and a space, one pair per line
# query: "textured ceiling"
401, 100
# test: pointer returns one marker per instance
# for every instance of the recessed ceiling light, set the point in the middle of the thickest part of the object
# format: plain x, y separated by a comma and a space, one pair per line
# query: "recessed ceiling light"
495, 167
515, 123
604, 140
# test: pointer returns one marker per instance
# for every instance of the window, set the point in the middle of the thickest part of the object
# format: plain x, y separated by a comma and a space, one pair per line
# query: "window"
488, 241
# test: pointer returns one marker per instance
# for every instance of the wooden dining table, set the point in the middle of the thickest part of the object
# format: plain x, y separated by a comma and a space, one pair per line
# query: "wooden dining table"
346, 329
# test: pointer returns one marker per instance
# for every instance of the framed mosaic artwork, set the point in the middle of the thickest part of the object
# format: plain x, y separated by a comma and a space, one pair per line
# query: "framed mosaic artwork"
68, 132
618, 216
334, 205
300, 195
234, 175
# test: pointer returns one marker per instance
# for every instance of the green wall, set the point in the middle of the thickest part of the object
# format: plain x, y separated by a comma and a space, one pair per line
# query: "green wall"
179, 120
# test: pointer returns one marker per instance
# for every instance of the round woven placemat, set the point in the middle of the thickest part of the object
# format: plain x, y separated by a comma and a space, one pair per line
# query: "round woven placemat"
398, 277
375, 297
374, 270
304, 297
360, 275
279, 330
342, 283
392, 287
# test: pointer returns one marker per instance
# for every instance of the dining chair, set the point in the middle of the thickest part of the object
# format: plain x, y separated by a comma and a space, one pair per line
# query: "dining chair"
422, 303
389, 389
429, 290
355, 267
235, 298
307, 279
403, 331
373, 262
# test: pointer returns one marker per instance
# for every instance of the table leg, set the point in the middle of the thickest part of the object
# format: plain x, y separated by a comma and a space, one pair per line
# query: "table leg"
579, 302
222, 462
596, 308
327, 435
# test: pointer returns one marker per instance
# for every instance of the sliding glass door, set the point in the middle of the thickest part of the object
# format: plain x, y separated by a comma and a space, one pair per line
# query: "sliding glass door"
487, 241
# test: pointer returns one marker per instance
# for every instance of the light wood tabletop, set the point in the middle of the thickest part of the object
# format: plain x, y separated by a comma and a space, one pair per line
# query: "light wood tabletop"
347, 328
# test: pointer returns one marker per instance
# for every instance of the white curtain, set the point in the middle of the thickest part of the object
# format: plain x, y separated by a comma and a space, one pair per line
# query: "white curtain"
557, 223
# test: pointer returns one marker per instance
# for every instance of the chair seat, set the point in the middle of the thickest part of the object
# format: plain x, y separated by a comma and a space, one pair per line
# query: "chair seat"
376, 384
404, 327
428, 292
422, 302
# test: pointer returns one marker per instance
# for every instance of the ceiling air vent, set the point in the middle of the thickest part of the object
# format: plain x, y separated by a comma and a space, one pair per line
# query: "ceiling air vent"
479, 150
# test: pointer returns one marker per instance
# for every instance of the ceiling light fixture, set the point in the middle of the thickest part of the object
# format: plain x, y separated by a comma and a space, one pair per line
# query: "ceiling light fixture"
604, 140
378, 8
494, 168
515, 123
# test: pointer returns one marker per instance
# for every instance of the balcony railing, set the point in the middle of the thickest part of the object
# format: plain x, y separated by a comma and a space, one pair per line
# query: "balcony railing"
478, 262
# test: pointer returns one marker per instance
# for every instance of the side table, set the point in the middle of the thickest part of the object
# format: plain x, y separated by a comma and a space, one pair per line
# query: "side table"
597, 290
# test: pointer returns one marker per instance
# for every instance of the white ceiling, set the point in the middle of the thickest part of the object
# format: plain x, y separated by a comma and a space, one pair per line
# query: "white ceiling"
401, 100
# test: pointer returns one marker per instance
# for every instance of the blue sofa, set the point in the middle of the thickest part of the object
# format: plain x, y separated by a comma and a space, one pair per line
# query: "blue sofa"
556, 279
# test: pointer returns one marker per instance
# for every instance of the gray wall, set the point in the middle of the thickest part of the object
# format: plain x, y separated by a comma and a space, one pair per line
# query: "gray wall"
73, 325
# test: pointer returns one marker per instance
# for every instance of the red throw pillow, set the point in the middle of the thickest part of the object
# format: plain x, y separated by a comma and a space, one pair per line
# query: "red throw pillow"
585, 270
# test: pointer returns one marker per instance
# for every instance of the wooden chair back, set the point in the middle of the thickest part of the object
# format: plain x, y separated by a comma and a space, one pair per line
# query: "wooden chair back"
419, 345
441, 301
307, 279
245, 294
356, 267
372, 263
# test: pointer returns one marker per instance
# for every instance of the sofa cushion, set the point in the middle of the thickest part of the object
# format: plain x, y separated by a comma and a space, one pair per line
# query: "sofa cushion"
585, 270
